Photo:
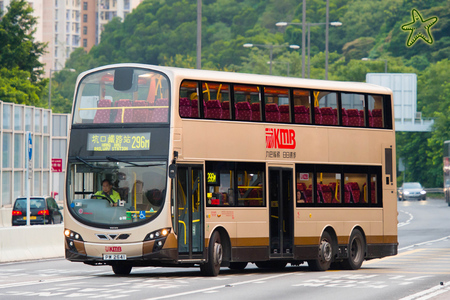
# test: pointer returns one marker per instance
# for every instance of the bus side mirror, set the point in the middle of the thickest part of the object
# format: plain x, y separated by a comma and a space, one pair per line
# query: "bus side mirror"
172, 171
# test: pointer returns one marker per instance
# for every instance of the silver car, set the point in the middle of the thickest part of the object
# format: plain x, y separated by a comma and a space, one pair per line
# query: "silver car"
411, 191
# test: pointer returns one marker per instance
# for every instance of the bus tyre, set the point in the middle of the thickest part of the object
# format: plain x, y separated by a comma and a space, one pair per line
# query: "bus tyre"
239, 265
215, 255
356, 251
121, 269
325, 254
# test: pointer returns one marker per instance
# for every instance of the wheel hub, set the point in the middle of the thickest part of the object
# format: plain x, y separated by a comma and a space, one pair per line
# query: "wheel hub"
218, 253
325, 251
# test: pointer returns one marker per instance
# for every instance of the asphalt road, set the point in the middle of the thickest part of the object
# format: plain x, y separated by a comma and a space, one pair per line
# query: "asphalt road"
421, 270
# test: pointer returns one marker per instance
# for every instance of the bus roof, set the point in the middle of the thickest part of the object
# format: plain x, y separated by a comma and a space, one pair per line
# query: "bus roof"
256, 79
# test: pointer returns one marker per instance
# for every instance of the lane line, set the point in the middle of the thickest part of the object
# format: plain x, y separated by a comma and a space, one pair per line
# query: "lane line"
215, 288
407, 222
429, 293
25, 283
424, 243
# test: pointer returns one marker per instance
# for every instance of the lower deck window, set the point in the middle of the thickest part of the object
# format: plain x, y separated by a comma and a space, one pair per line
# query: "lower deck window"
338, 185
235, 184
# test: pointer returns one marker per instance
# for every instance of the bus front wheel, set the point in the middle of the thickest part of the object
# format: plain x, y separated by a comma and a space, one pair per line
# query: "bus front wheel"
325, 254
215, 256
121, 269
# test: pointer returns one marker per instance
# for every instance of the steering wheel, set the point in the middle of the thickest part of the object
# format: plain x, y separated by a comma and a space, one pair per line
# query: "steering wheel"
93, 196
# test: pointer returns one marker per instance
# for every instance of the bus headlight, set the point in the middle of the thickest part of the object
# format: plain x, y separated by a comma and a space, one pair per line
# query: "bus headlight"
72, 235
159, 237
162, 233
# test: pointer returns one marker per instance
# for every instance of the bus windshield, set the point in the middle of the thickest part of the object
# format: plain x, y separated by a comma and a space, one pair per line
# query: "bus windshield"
122, 95
116, 192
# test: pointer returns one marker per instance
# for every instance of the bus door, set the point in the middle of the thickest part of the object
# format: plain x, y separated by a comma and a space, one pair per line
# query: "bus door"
190, 211
281, 212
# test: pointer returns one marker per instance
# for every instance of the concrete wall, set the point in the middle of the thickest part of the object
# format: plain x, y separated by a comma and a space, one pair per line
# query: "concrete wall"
31, 242
5, 216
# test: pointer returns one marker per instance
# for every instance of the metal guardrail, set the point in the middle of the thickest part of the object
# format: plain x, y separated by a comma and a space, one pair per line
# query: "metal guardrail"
434, 190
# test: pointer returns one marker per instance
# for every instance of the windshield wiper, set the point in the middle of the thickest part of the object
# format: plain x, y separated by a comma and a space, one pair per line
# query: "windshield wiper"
132, 163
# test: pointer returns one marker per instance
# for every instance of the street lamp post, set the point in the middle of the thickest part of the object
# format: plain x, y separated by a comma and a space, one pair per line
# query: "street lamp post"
270, 47
385, 62
282, 62
50, 85
308, 25
199, 34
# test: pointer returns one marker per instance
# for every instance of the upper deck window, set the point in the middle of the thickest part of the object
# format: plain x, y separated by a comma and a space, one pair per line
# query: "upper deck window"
271, 104
247, 103
216, 101
325, 108
122, 95
277, 105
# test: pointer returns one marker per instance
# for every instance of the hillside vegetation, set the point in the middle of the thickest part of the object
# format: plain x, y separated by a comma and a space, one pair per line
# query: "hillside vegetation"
163, 32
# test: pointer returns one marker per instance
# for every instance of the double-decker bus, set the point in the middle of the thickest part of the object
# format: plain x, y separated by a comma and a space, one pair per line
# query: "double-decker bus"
217, 169
447, 171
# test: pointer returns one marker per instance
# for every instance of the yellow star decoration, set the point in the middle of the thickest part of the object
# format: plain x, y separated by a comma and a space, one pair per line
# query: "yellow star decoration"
421, 26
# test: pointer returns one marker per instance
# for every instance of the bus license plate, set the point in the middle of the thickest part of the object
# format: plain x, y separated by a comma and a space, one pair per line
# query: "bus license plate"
114, 256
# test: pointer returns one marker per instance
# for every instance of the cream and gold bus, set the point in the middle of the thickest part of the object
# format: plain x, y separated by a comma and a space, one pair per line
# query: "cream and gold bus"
217, 169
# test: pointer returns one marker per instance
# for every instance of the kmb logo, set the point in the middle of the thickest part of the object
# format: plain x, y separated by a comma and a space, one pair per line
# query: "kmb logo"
280, 138
113, 249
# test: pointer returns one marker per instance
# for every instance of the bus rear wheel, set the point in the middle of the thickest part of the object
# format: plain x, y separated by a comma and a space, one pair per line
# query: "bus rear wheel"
325, 254
121, 269
356, 251
215, 256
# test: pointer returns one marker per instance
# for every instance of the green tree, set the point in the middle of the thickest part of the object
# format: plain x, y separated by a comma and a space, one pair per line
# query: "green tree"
17, 47
16, 87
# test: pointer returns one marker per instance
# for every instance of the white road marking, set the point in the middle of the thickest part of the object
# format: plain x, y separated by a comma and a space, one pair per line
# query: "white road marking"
407, 222
429, 293
424, 243
25, 283
216, 287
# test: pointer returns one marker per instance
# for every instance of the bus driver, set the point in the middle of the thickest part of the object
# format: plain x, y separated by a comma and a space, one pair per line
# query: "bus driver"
108, 193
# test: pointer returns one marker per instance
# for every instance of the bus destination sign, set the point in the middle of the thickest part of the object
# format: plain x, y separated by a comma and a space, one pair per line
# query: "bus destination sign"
118, 142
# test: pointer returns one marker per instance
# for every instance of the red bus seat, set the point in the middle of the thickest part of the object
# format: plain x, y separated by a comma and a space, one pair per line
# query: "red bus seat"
377, 118
356, 192
362, 122
213, 109
256, 111
272, 113
284, 113
161, 114
185, 107
194, 108
102, 115
142, 115
328, 117
243, 111
301, 114
317, 116
353, 117
127, 114
344, 117
226, 110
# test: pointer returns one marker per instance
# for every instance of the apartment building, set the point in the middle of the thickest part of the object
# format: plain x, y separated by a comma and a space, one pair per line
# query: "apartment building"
69, 24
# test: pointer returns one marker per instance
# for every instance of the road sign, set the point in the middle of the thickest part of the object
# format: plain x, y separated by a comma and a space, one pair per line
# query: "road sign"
30, 146
57, 165
30, 154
